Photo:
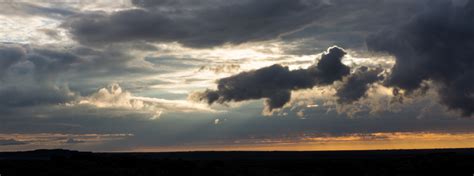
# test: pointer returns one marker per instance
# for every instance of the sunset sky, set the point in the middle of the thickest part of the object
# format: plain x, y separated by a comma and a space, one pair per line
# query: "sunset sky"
186, 75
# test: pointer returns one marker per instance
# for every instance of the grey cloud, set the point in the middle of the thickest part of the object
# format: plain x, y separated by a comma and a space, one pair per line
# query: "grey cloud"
148, 3
22, 101
46, 62
106, 62
42, 75
73, 141
30, 75
43, 64
177, 4
356, 85
173, 129
50, 32
348, 23
175, 62
10, 55
5, 142
224, 68
21, 96
49, 63
47, 11
209, 23
31, 9
226, 22
275, 83
245, 123
437, 45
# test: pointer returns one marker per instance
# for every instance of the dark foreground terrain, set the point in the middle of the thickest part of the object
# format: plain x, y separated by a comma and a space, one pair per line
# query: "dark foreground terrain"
448, 162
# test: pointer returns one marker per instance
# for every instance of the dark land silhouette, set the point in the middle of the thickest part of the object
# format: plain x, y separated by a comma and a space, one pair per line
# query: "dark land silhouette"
448, 162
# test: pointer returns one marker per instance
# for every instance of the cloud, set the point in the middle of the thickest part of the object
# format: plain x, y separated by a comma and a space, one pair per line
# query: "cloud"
436, 46
73, 141
38, 75
174, 4
49, 63
10, 55
275, 83
56, 78
114, 97
39, 63
8, 142
78, 67
52, 33
225, 68
29, 141
51, 91
26, 9
22, 96
212, 24
215, 22
174, 63
356, 85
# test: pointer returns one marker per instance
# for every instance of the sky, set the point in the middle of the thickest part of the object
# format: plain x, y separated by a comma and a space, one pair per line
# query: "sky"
186, 75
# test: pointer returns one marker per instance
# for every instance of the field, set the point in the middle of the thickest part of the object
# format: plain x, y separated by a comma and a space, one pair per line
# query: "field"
449, 162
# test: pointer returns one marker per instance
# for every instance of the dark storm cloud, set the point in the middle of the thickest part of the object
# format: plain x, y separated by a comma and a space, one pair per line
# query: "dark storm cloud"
437, 45
214, 24
312, 24
357, 84
347, 24
276, 82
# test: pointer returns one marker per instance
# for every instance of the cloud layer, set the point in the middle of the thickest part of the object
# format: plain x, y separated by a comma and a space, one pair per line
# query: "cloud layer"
199, 26
57, 58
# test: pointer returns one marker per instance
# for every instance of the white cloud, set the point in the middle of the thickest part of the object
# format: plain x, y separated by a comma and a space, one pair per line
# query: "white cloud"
113, 96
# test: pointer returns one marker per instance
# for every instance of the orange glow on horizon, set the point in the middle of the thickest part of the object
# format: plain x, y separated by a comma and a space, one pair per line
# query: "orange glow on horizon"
374, 141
